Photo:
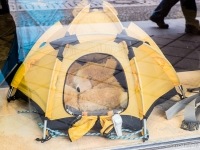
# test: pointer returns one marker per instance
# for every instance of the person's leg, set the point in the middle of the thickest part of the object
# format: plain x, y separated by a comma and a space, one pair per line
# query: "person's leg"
162, 11
189, 9
4, 7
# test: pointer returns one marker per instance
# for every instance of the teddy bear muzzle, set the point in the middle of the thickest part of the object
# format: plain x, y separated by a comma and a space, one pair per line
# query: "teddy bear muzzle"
83, 86
78, 89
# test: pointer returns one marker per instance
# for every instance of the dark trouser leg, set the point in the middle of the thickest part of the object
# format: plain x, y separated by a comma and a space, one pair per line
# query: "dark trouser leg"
163, 8
161, 12
189, 9
4, 7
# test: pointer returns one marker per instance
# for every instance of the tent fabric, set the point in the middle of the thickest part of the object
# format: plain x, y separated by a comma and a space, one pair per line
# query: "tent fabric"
34, 24
30, 26
147, 73
81, 127
11, 65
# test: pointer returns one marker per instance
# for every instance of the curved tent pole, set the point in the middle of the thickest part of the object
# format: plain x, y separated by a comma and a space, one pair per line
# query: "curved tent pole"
144, 118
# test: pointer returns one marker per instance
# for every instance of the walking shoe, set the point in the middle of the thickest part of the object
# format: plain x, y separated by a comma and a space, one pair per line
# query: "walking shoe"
192, 29
160, 22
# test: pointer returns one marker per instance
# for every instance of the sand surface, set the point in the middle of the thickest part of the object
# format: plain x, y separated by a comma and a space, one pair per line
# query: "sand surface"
19, 131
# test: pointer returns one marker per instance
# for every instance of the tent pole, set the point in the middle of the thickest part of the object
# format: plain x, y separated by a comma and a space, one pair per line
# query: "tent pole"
44, 129
182, 92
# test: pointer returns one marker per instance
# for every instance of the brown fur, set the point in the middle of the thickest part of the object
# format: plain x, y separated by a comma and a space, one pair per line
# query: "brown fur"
99, 89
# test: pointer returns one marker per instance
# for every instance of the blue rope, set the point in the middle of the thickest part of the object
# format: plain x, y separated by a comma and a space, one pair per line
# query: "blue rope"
28, 111
112, 136
53, 133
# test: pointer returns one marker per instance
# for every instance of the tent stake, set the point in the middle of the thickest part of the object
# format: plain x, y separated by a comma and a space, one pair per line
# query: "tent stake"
182, 92
145, 126
9, 92
146, 137
44, 129
45, 137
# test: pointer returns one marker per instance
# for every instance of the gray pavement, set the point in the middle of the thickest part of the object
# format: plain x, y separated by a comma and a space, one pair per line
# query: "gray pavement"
181, 49
128, 10
176, 26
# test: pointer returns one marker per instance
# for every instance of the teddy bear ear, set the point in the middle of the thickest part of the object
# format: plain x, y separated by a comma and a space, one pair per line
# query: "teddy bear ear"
75, 67
71, 72
111, 63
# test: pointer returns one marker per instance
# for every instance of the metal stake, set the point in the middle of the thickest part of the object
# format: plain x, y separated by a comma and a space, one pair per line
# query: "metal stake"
44, 129
145, 126
181, 89
9, 92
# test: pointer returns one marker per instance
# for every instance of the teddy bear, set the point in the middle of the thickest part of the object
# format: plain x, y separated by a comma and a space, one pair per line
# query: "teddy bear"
93, 87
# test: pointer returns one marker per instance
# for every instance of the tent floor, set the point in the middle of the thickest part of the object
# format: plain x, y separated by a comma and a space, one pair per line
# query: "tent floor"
19, 129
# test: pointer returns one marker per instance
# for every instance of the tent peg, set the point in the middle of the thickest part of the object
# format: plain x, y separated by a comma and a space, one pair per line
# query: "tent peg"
46, 135
146, 136
44, 130
182, 91
11, 94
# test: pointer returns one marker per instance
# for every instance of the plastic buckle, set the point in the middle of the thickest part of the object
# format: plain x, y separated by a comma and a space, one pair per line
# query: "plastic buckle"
117, 121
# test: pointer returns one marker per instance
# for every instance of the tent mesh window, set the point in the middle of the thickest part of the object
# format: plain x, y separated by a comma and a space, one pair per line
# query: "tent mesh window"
95, 83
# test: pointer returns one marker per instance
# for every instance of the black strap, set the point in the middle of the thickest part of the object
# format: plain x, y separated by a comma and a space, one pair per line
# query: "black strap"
107, 134
74, 121
12, 98
48, 137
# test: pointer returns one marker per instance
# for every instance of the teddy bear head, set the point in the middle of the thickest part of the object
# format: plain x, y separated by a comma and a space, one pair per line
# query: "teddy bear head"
92, 74
93, 86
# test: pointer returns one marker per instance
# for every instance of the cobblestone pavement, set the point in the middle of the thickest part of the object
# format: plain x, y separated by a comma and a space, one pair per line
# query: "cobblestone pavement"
128, 10
182, 50
66, 4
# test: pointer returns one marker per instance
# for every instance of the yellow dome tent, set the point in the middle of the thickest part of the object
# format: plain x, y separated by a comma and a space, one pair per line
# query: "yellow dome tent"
148, 75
